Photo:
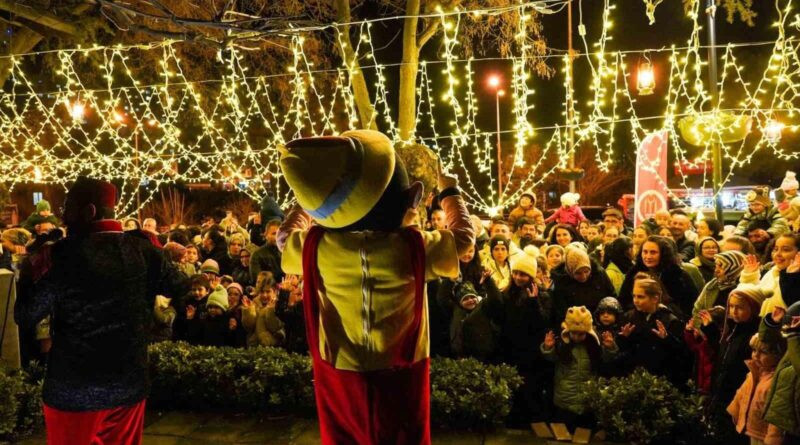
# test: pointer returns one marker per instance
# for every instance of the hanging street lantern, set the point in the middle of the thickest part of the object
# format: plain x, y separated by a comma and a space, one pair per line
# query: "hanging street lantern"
645, 79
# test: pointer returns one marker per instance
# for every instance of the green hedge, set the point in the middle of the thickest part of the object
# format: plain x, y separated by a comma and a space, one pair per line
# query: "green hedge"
20, 402
465, 394
645, 409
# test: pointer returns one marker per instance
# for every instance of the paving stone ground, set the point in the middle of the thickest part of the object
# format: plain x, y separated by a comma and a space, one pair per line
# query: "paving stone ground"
184, 428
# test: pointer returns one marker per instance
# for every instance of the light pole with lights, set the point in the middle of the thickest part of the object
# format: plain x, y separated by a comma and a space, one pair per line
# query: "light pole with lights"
494, 82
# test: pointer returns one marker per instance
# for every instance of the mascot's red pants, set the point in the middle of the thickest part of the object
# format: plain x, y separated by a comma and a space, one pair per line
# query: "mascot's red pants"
116, 426
390, 406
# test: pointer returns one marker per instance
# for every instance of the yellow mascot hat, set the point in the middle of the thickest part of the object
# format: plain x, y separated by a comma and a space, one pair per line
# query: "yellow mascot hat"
338, 180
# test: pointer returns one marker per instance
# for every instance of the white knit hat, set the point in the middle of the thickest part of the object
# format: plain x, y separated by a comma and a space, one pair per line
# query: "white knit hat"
790, 182
525, 261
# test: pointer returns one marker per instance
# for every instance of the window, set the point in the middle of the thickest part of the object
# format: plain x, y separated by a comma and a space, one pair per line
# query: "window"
37, 196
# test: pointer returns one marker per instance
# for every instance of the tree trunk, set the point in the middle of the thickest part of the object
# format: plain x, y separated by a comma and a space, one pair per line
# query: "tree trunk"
407, 96
366, 112
23, 41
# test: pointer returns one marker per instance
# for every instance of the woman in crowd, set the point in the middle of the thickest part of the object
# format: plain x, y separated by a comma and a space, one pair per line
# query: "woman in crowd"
618, 260
639, 236
786, 248
498, 262
580, 281
563, 234
705, 251
659, 260
708, 227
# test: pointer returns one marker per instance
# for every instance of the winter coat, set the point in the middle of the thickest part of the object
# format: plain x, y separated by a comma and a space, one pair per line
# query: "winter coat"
777, 224
572, 375
532, 213
770, 285
666, 357
100, 290
747, 406
685, 249
266, 258
706, 268
501, 275
241, 275
294, 325
523, 323
782, 407
681, 291
704, 357
731, 353
211, 331
568, 292
162, 327
572, 215
711, 296
263, 326
695, 274
472, 333
615, 276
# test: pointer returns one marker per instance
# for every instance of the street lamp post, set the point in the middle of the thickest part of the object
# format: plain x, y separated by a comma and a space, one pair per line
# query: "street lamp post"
716, 149
494, 83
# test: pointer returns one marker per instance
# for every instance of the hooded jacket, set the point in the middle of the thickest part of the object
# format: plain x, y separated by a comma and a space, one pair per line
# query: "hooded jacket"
666, 357
782, 407
568, 292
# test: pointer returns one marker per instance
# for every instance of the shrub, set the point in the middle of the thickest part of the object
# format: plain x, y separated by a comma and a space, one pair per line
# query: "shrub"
464, 393
229, 379
20, 403
467, 394
642, 408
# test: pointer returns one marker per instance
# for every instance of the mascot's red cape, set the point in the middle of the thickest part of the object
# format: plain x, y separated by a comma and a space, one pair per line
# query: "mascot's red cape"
364, 291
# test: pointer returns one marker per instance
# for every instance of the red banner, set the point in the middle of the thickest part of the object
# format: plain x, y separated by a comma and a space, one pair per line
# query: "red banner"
651, 177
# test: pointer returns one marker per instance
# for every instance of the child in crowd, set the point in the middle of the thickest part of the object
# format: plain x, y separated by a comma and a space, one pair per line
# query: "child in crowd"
197, 298
263, 327
164, 316
577, 355
216, 328
498, 263
747, 407
607, 316
569, 212
192, 257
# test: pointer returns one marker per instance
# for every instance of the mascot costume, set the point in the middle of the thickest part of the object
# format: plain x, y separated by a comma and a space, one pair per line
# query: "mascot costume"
364, 293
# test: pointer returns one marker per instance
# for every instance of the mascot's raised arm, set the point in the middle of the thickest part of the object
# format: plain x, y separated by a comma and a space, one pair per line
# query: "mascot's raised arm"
364, 277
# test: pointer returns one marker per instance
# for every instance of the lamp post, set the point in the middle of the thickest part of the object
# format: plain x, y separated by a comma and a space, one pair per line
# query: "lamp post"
494, 82
716, 149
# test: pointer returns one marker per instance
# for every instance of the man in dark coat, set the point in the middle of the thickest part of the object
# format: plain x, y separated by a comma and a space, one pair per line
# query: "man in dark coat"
268, 257
98, 285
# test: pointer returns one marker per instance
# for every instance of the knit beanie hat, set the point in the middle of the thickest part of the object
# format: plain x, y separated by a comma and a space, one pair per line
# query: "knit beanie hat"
578, 319
218, 298
525, 262
42, 206
569, 199
236, 286
466, 289
759, 194
752, 293
209, 266
498, 240
732, 262
174, 250
608, 305
575, 258
790, 182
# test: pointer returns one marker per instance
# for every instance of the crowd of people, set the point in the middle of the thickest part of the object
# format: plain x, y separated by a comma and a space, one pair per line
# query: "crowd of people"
563, 299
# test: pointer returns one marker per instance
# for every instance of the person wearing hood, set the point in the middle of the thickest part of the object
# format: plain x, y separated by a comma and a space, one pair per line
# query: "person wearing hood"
577, 356
607, 323
705, 257
618, 260
580, 281
731, 345
498, 263
760, 208
652, 336
788, 190
471, 331
728, 267
527, 209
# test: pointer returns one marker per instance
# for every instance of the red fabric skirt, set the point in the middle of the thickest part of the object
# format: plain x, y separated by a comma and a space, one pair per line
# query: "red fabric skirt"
116, 426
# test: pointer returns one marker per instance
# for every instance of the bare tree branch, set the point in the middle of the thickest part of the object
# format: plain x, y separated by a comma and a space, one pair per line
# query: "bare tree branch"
39, 16
429, 32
